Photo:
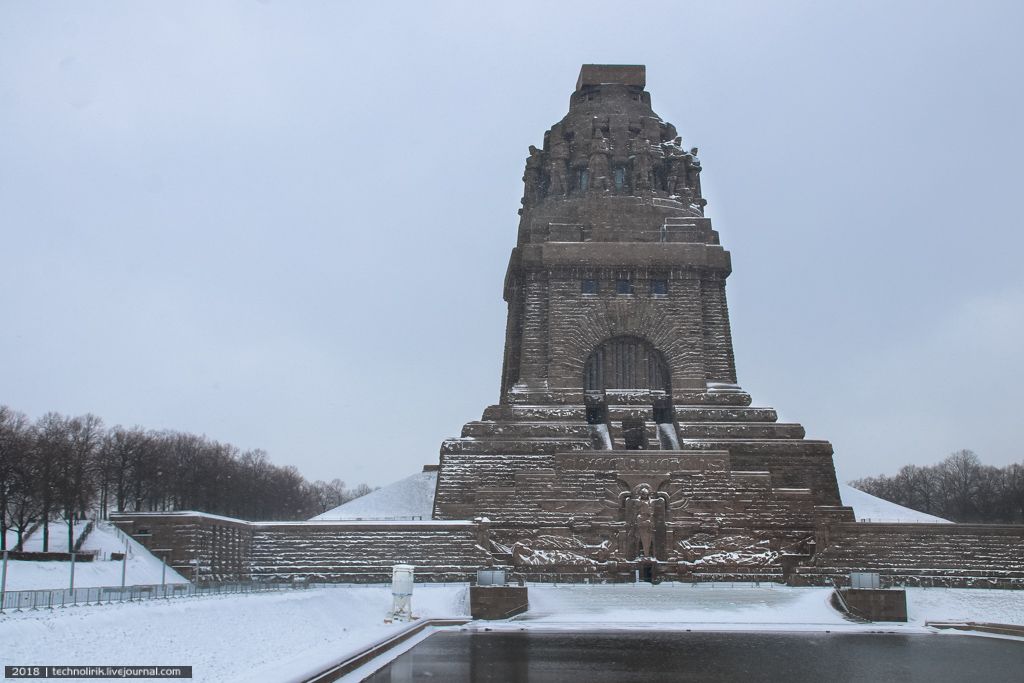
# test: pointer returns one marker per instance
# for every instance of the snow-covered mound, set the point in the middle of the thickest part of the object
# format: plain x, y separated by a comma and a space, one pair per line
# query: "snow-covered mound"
868, 508
409, 498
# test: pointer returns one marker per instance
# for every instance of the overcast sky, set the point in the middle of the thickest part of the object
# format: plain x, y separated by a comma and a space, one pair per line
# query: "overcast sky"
286, 224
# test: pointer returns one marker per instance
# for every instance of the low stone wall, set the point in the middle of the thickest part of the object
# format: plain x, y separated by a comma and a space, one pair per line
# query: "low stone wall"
347, 552
210, 548
206, 547
956, 555
199, 546
497, 602
876, 604
34, 556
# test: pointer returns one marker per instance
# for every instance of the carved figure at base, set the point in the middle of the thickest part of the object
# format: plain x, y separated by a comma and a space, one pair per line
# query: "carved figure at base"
642, 515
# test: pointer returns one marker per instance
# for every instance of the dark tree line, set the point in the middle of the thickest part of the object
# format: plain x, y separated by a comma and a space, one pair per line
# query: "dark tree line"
960, 489
68, 467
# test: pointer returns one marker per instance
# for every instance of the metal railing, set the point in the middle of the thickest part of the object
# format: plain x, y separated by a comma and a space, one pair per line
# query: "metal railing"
48, 599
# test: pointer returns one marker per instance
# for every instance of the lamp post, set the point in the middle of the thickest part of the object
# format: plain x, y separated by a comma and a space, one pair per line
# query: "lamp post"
124, 564
3, 583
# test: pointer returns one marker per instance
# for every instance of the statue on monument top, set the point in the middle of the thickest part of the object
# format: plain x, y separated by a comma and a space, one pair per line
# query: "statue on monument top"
557, 171
532, 177
675, 162
597, 164
643, 165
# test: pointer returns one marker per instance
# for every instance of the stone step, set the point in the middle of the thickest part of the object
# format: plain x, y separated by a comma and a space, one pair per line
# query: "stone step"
535, 446
534, 413
803, 447
525, 430
720, 414
740, 430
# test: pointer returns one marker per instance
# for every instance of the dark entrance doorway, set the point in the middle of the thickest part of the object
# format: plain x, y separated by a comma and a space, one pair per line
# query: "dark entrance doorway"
626, 363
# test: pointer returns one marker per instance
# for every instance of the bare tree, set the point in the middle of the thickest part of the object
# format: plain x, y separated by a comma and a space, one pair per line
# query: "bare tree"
15, 452
52, 449
959, 488
73, 486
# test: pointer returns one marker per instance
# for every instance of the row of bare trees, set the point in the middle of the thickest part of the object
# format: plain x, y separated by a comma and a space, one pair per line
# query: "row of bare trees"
68, 467
960, 489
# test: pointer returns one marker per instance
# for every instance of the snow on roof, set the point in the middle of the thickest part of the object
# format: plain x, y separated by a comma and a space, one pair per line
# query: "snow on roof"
868, 508
409, 498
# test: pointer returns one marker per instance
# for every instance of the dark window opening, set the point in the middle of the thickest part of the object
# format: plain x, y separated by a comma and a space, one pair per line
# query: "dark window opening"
659, 287
647, 573
634, 434
589, 286
620, 177
583, 179
597, 413
623, 286
663, 411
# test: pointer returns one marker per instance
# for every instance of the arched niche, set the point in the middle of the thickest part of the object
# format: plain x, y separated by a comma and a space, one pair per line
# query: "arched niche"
626, 363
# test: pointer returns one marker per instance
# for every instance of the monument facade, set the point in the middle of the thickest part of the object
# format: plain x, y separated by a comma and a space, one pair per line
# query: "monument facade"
622, 440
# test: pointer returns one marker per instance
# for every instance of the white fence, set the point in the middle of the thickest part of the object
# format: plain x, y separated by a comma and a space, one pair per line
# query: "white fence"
48, 599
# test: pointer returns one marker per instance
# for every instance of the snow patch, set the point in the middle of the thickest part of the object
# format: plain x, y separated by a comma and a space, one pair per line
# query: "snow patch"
409, 498
868, 508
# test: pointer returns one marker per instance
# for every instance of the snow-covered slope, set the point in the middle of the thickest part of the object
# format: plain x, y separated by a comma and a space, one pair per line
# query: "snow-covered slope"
409, 498
143, 567
870, 508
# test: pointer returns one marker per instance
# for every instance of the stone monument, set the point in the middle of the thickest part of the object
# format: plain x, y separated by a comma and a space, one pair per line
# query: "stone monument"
621, 437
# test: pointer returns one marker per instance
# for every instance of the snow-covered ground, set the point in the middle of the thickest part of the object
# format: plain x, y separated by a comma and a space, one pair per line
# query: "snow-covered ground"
58, 538
143, 567
749, 607
276, 636
868, 508
412, 497
256, 637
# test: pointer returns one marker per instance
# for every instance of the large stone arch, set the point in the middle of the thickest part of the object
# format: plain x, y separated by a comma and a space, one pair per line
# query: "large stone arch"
584, 327
626, 362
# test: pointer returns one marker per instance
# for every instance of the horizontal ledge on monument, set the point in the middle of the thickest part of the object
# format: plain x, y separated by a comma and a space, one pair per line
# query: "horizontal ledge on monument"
686, 413
740, 430
798, 447
608, 254
574, 397
535, 446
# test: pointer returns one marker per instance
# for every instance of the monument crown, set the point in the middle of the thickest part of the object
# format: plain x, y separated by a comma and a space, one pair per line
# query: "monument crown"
622, 74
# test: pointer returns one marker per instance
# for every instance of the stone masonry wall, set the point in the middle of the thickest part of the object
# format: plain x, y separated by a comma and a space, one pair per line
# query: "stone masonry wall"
207, 548
975, 555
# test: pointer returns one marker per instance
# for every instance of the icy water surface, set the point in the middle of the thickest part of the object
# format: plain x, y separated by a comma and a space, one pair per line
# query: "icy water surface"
598, 656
